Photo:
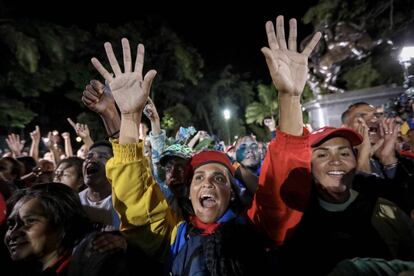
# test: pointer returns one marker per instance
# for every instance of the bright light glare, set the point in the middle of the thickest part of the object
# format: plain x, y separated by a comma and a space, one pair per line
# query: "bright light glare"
407, 53
226, 114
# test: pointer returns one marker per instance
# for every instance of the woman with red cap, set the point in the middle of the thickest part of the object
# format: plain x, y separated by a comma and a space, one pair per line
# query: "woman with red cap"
305, 202
207, 244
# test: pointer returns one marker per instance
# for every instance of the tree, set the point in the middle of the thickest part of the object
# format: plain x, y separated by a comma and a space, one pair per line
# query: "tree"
267, 106
214, 93
46, 67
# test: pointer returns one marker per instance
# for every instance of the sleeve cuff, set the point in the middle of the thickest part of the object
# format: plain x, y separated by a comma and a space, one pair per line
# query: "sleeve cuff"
128, 152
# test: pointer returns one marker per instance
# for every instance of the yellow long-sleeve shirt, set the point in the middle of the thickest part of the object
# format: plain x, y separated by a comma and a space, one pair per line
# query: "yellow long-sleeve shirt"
146, 219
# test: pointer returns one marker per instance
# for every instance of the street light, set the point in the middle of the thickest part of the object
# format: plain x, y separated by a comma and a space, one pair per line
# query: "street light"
227, 115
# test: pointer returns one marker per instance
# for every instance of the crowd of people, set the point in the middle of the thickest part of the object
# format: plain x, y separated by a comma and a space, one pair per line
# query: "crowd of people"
332, 201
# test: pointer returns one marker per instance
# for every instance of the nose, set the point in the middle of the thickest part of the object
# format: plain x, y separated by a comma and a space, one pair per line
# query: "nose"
335, 159
207, 183
14, 232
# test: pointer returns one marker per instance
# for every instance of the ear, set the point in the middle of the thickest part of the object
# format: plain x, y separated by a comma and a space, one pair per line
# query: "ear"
232, 196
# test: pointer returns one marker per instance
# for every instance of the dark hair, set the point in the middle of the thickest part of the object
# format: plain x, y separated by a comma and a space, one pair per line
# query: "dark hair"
102, 143
62, 207
345, 114
17, 167
28, 162
73, 161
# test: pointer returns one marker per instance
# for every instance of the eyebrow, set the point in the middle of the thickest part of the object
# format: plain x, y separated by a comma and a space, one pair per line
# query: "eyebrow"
214, 173
340, 148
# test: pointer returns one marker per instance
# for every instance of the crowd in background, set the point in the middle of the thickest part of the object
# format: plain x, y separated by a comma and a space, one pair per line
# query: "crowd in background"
331, 201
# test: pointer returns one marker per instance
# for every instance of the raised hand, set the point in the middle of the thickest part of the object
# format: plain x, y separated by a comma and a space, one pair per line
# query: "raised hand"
81, 130
288, 68
98, 97
270, 124
66, 135
129, 89
151, 111
15, 144
364, 149
35, 135
389, 133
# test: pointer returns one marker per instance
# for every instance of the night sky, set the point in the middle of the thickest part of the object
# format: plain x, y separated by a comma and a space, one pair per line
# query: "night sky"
224, 33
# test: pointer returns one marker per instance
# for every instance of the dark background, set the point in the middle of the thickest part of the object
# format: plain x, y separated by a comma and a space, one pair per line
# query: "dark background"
223, 32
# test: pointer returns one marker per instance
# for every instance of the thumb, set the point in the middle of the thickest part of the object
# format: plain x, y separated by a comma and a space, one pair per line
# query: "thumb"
97, 86
269, 60
149, 77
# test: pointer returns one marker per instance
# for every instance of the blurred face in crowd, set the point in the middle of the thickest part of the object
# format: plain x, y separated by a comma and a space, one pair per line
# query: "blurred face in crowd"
333, 167
6, 170
94, 165
210, 192
247, 152
262, 150
371, 117
410, 136
30, 234
82, 151
174, 175
68, 176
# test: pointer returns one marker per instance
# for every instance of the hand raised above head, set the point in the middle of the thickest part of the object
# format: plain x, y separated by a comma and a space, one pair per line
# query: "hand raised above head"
129, 89
288, 68
82, 130
151, 111
35, 134
98, 97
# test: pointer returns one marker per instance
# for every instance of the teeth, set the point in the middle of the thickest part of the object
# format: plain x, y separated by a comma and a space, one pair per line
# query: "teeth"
336, 173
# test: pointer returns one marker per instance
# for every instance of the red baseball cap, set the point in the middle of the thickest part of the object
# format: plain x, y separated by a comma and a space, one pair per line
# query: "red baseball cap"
324, 133
210, 156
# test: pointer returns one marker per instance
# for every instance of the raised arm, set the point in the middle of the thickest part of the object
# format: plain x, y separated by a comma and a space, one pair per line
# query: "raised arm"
68, 144
98, 98
145, 217
285, 180
129, 88
15, 144
34, 147
288, 69
82, 130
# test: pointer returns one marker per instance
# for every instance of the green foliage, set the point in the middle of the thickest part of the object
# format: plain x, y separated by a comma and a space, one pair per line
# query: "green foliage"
215, 93
14, 114
42, 59
361, 76
176, 116
267, 106
323, 11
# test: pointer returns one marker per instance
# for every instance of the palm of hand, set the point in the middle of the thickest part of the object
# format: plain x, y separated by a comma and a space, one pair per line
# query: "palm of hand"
289, 71
83, 133
127, 91
388, 147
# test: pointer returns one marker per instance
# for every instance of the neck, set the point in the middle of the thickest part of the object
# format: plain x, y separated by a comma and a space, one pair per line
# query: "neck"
334, 197
50, 259
98, 193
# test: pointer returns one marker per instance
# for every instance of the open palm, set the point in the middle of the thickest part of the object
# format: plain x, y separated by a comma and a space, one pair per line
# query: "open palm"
288, 68
129, 89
